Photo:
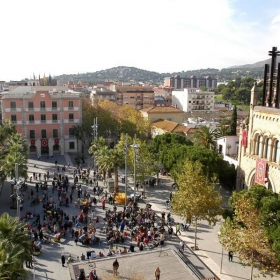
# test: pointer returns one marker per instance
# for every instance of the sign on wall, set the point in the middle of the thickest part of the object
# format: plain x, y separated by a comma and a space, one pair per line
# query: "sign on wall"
244, 138
260, 171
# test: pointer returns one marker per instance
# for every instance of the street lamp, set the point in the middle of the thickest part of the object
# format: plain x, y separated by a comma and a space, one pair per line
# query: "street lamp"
135, 147
17, 183
95, 128
222, 254
125, 173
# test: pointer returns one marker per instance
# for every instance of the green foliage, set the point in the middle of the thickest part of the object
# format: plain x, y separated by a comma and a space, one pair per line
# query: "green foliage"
256, 212
233, 122
15, 247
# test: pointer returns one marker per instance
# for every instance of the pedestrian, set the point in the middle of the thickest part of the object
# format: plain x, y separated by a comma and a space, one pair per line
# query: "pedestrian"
182, 246
115, 267
178, 227
230, 256
157, 273
62, 260
103, 204
170, 231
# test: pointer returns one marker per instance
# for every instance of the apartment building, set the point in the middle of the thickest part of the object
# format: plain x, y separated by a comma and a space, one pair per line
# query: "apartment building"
178, 82
99, 94
191, 99
138, 97
45, 115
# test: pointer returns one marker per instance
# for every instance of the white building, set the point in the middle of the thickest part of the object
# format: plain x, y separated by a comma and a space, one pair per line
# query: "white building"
191, 99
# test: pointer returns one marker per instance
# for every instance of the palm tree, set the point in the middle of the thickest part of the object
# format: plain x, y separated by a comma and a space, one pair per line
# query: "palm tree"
78, 132
15, 248
206, 137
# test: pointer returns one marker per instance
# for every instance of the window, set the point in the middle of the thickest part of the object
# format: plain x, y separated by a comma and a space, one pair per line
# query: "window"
71, 131
71, 117
71, 145
42, 105
259, 147
13, 106
43, 118
31, 118
32, 134
13, 118
30, 105
71, 104
54, 105
43, 133
55, 133
277, 152
54, 118
267, 148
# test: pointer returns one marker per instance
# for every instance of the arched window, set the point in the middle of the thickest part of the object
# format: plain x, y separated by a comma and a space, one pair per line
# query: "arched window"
276, 152
267, 148
259, 146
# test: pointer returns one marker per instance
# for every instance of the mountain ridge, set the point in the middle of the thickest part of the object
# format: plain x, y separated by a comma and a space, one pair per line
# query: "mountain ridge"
137, 75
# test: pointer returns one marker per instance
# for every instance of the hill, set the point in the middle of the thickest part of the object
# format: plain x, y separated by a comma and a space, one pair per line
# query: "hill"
136, 75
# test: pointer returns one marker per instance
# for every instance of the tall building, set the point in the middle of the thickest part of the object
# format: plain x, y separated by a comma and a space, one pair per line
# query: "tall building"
259, 152
138, 97
191, 99
177, 82
45, 116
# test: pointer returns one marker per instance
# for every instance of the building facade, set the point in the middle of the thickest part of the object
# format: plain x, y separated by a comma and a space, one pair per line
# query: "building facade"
259, 152
45, 116
178, 82
190, 99
163, 113
138, 97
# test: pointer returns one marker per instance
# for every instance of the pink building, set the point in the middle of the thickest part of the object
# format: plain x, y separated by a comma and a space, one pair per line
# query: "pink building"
45, 116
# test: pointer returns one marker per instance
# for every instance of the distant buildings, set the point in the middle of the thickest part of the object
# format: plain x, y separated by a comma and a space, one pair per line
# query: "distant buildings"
190, 99
138, 97
44, 115
169, 113
177, 82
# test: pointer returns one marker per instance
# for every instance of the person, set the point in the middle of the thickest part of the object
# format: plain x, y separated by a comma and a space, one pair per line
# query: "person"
69, 260
103, 204
170, 231
62, 260
115, 267
82, 275
83, 257
178, 227
92, 275
157, 273
182, 246
230, 256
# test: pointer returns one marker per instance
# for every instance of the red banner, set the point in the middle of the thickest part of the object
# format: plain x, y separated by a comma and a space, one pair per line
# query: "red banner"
56, 141
44, 142
260, 171
244, 138
32, 142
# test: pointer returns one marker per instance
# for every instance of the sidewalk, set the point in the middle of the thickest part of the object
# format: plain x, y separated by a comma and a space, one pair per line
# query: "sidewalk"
210, 250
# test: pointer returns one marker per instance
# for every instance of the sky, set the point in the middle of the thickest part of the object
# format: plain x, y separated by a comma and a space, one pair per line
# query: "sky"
79, 36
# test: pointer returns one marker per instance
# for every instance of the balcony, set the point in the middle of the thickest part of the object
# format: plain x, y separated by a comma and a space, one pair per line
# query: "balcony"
43, 121
31, 109
54, 121
42, 108
71, 120
54, 108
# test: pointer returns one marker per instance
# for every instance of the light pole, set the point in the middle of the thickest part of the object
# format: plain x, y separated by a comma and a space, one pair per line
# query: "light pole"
95, 128
17, 182
222, 254
135, 147
125, 172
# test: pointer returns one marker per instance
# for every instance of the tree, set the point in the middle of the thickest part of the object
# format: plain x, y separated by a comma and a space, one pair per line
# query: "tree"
78, 132
233, 122
206, 137
15, 247
196, 199
244, 233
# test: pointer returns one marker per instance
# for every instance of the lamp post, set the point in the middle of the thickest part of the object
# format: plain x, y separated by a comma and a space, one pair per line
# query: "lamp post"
135, 147
95, 128
222, 255
125, 172
17, 183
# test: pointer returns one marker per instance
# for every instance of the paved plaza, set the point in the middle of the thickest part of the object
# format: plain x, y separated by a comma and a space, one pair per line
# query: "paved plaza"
205, 262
